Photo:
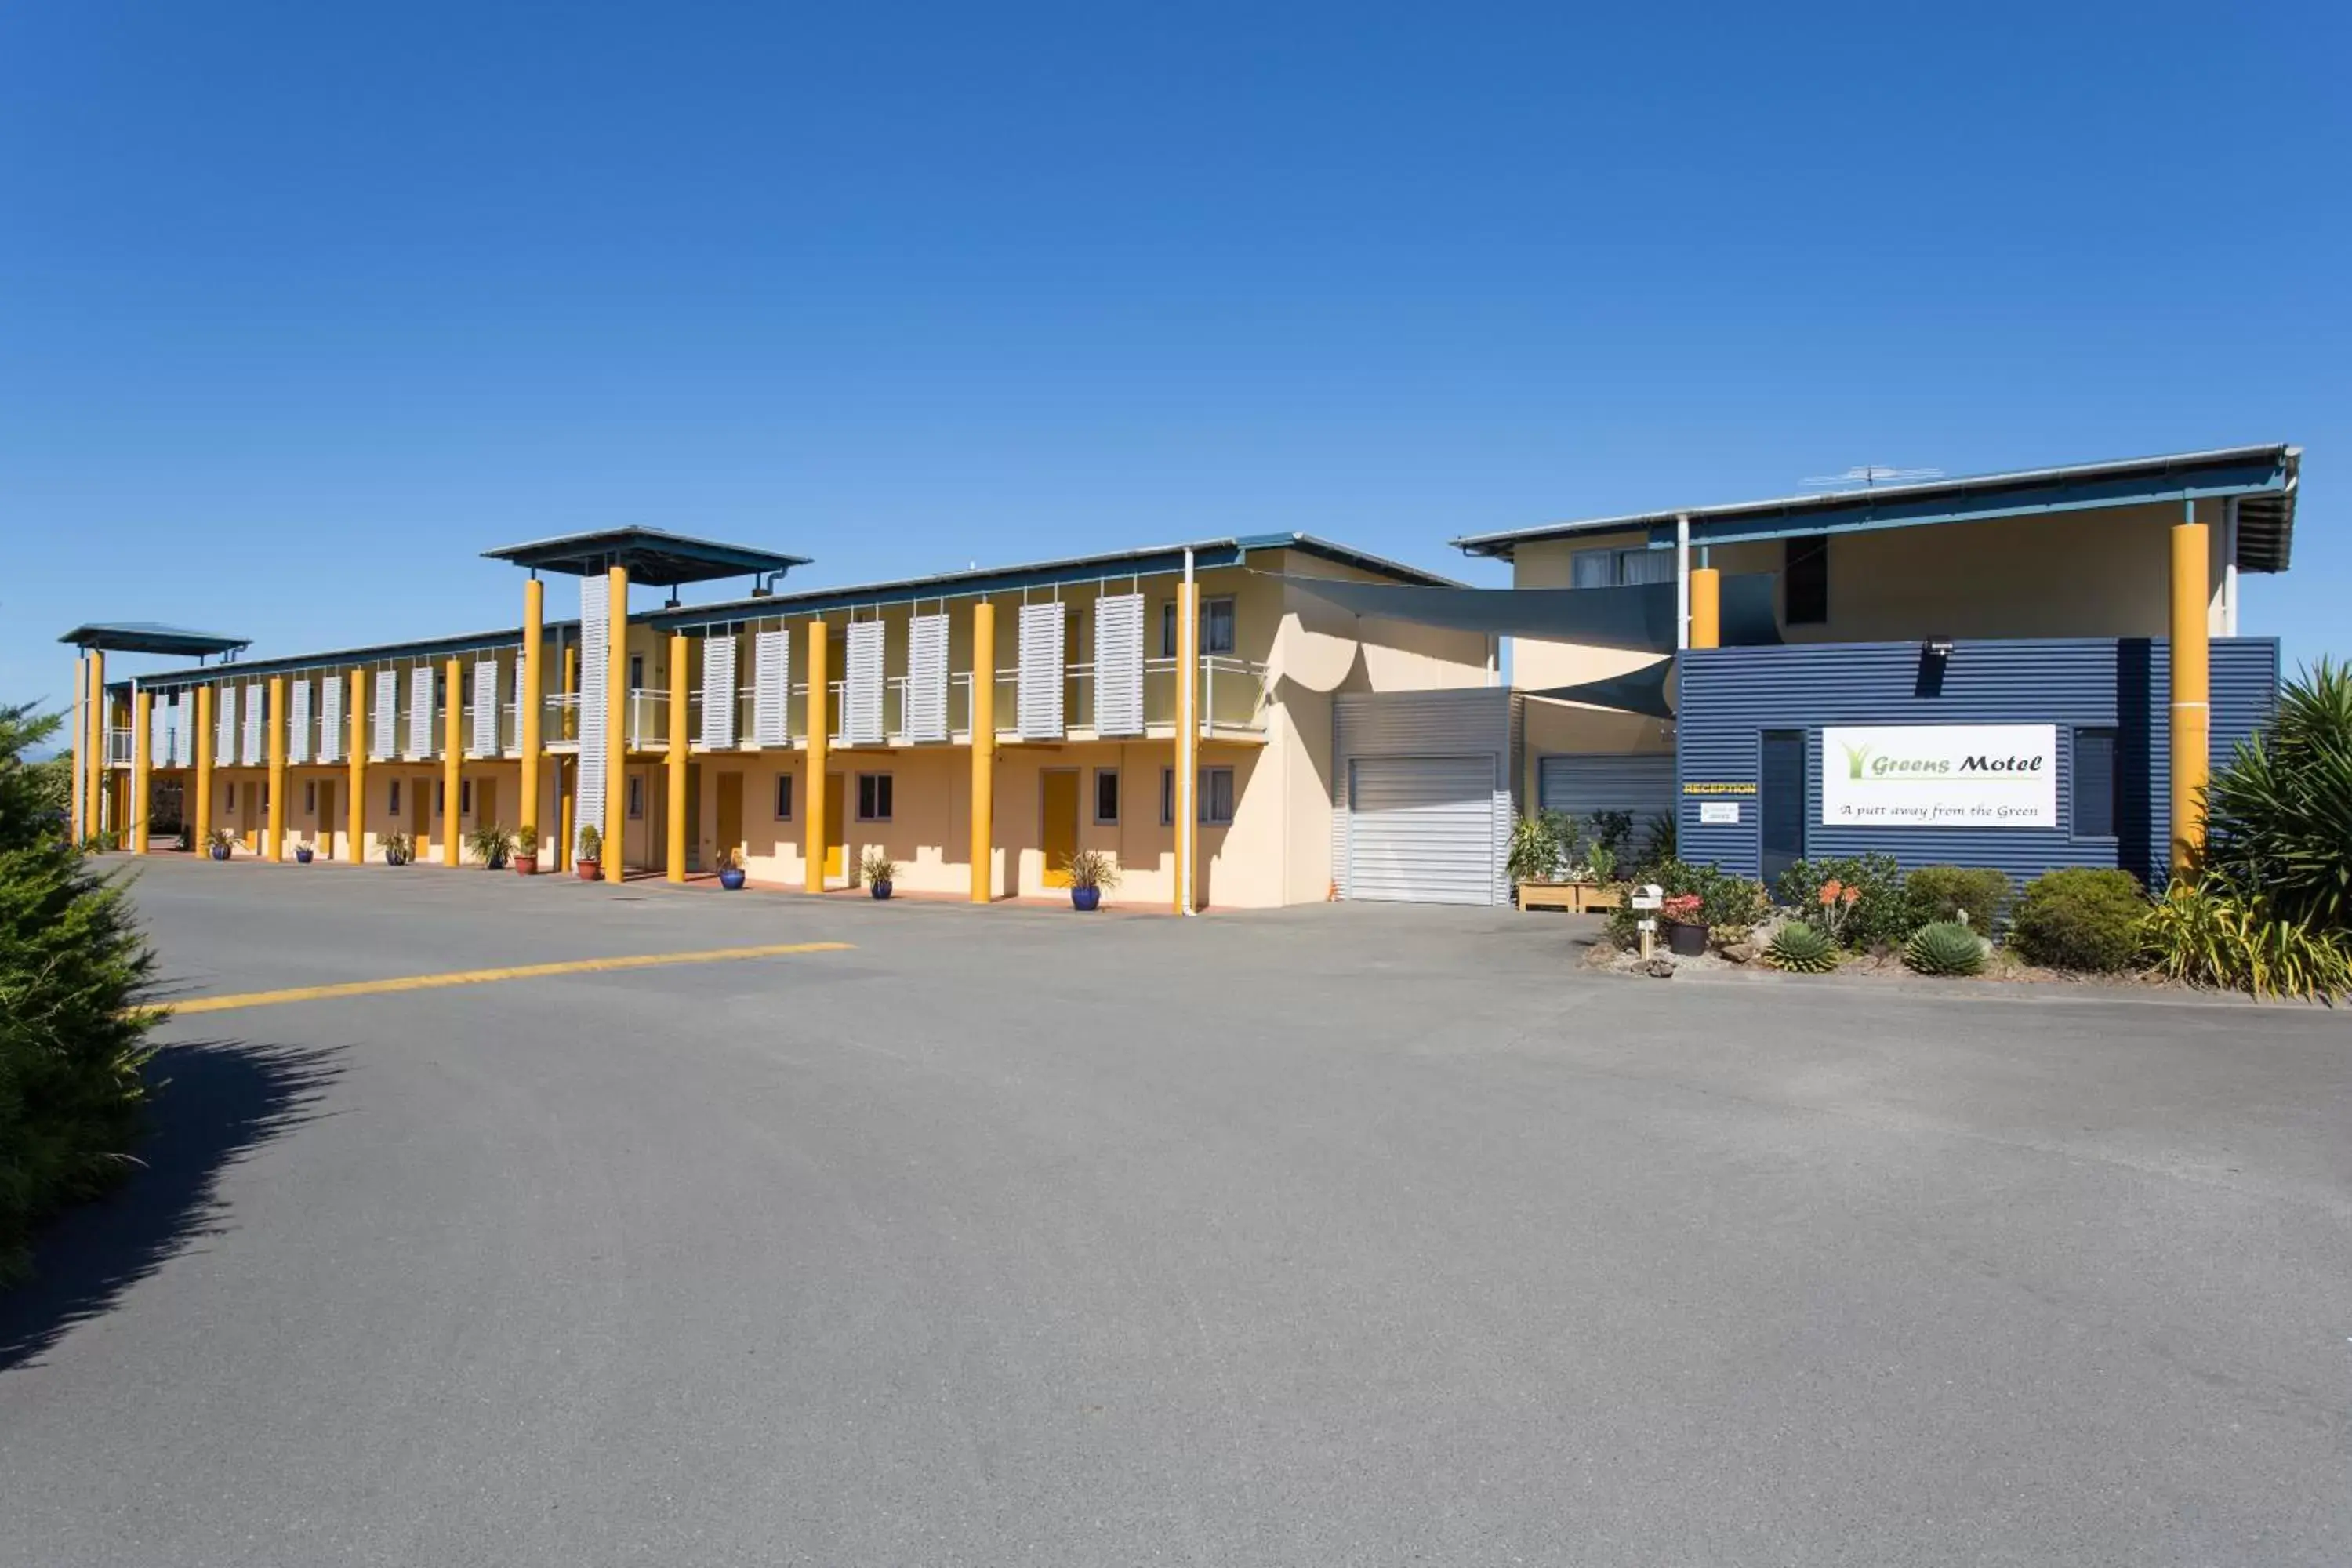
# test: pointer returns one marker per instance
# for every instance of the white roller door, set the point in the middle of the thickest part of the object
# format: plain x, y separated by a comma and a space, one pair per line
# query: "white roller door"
1421, 829
1641, 787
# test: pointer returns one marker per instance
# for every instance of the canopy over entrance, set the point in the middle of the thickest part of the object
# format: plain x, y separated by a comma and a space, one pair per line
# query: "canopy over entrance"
649, 556
151, 637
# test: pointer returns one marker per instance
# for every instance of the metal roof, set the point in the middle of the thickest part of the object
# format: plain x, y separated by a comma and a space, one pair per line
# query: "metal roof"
151, 637
376, 653
652, 556
2264, 478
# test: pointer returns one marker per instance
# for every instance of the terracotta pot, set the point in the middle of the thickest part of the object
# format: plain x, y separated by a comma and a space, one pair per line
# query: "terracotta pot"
590, 870
526, 865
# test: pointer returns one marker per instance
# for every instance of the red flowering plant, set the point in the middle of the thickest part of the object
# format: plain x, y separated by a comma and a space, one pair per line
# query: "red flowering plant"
1682, 909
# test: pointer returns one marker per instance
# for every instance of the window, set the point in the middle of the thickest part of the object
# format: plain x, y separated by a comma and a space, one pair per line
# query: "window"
393, 803
465, 796
1167, 629
784, 797
263, 804
1168, 797
1216, 795
311, 796
228, 796
1107, 797
2097, 784
1620, 568
1217, 625
873, 797
1805, 581
636, 671
636, 796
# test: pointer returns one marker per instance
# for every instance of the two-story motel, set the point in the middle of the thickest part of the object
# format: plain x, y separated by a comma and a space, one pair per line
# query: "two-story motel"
1172, 706
1275, 719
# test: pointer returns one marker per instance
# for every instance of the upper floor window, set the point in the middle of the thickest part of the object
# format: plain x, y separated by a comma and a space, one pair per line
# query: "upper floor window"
1620, 568
1805, 581
1217, 633
636, 672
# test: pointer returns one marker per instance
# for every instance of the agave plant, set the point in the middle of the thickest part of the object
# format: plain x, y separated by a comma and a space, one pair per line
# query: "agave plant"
1945, 947
1802, 949
2277, 815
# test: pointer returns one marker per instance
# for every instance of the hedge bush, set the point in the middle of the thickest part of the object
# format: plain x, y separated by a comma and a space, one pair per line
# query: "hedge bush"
2081, 919
1933, 894
72, 968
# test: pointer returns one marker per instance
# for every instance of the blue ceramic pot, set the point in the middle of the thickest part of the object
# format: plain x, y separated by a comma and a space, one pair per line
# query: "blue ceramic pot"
881, 889
732, 879
1085, 899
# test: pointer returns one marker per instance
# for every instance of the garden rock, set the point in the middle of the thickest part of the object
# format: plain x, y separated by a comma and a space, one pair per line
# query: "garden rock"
1740, 952
1659, 968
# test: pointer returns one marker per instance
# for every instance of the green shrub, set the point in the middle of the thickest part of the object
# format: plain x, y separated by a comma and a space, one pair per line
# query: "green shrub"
1945, 947
72, 967
2201, 933
1936, 893
2279, 814
1802, 949
1723, 900
2081, 918
1536, 848
1874, 914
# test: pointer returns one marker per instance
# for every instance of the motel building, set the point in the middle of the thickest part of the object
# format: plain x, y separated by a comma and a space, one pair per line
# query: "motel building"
2024, 671
1173, 707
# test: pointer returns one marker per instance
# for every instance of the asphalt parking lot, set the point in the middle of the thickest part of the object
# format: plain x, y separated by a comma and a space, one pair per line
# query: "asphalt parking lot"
1342, 1235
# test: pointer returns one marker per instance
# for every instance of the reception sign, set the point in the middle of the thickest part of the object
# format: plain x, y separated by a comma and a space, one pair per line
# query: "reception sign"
1941, 775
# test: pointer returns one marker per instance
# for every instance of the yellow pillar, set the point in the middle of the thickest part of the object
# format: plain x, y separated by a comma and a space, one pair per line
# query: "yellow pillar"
527, 721
453, 756
356, 759
274, 847
571, 689
1188, 738
201, 831
142, 716
681, 652
820, 727
81, 736
984, 751
1705, 607
616, 702
2192, 719
95, 773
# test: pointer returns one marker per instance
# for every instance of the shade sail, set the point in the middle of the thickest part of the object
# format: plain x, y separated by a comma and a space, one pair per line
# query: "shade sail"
1642, 691
1640, 619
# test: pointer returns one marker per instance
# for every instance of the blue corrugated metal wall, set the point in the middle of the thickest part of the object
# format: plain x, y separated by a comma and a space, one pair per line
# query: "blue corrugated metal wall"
1726, 697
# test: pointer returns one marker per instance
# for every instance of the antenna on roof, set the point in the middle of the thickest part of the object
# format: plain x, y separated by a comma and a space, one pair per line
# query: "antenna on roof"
1869, 475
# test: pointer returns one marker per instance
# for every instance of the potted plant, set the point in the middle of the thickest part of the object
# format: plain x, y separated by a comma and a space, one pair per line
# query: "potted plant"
217, 843
526, 850
1090, 871
731, 868
589, 862
490, 844
878, 870
398, 848
1685, 931
302, 853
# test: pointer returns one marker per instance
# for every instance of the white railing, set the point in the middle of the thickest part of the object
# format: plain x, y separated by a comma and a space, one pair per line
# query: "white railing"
648, 719
118, 746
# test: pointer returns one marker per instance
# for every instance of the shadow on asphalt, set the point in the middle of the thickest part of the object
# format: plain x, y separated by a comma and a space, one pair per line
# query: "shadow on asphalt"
213, 1101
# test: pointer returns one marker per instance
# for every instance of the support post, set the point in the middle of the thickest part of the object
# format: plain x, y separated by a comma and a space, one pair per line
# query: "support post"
984, 753
527, 720
2191, 654
564, 785
681, 655
201, 831
143, 718
453, 758
81, 748
1187, 733
96, 772
355, 808
820, 729
273, 847
1705, 607
1682, 581
616, 716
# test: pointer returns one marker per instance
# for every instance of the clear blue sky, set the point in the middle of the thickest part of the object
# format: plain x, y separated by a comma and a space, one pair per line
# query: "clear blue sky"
301, 305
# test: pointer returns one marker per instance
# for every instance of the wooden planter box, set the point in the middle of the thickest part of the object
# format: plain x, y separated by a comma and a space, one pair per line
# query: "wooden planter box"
1576, 898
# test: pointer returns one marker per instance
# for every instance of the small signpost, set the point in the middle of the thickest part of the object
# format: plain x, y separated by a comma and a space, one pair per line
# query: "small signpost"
1647, 898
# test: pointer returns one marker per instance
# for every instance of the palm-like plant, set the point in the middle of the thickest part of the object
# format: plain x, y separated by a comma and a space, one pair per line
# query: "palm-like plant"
2277, 813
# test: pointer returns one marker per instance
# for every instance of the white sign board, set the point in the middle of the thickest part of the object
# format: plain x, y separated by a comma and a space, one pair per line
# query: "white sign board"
1941, 775
1715, 813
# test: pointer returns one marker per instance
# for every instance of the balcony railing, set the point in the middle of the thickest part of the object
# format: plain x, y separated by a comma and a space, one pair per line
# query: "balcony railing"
118, 746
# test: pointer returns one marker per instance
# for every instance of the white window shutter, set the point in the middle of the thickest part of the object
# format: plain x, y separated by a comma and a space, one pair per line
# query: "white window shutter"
383, 717
298, 720
926, 678
159, 733
331, 719
1119, 665
420, 712
486, 707
224, 725
861, 705
248, 749
718, 691
1040, 701
180, 712
594, 643
771, 680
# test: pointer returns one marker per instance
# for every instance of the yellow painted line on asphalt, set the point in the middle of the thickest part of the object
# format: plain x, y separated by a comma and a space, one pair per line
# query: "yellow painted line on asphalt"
489, 976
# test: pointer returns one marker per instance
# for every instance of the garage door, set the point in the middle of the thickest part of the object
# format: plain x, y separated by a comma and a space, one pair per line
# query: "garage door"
1641, 786
1421, 829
